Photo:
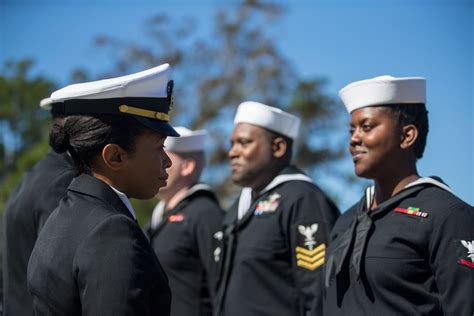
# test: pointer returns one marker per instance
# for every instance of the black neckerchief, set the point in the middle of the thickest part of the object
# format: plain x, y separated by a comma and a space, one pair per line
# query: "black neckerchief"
356, 236
231, 226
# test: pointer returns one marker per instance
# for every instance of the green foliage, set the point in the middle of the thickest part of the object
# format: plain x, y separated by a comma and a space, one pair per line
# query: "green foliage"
23, 125
22, 122
214, 72
143, 209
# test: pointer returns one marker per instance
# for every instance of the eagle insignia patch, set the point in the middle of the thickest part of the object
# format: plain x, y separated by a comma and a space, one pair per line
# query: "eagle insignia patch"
308, 232
309, 256
467, 258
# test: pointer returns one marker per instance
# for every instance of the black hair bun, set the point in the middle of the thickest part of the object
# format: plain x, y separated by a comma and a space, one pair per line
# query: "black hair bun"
58, 137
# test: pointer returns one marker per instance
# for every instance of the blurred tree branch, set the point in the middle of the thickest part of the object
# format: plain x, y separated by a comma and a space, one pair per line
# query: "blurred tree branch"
240, 60
23, 125
214, 70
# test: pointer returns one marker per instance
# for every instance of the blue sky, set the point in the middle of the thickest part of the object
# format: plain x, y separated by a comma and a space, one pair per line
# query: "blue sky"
341, 40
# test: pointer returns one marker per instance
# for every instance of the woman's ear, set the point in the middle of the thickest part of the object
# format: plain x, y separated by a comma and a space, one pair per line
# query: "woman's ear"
113, 156
409, 136
279, 147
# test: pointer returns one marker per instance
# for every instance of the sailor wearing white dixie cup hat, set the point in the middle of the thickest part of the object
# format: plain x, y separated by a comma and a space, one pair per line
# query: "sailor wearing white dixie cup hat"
275, 234
184, 224
404, 248
92, 258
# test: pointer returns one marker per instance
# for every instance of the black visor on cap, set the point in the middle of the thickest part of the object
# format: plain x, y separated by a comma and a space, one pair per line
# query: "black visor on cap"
158, 126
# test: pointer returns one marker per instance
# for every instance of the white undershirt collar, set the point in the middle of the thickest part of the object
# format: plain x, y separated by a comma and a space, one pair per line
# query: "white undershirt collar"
245, 199
370, 191
125, 201
159, 210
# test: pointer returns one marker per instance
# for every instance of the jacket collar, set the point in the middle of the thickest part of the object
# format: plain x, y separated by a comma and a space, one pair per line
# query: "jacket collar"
91, 186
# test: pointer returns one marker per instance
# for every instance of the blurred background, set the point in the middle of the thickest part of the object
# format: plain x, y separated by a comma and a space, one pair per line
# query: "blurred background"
292, 54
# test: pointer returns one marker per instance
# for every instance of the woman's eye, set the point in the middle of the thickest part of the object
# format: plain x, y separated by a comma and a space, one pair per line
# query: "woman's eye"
366, 127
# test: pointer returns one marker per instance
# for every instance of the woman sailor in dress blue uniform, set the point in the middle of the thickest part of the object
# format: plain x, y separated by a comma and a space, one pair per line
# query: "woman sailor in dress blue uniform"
401, 250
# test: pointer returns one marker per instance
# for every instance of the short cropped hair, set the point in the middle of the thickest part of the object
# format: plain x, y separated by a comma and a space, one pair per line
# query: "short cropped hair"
417, 115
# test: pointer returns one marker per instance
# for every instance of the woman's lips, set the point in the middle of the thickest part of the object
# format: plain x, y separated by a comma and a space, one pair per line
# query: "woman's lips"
357, 155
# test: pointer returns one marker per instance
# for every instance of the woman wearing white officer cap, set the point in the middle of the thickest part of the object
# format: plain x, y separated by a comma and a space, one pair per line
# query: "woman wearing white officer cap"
91, 257
406, 247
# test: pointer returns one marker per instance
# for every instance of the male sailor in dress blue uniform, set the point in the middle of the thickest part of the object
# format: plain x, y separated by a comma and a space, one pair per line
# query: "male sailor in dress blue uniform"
275, 234
25, 213
183, 226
